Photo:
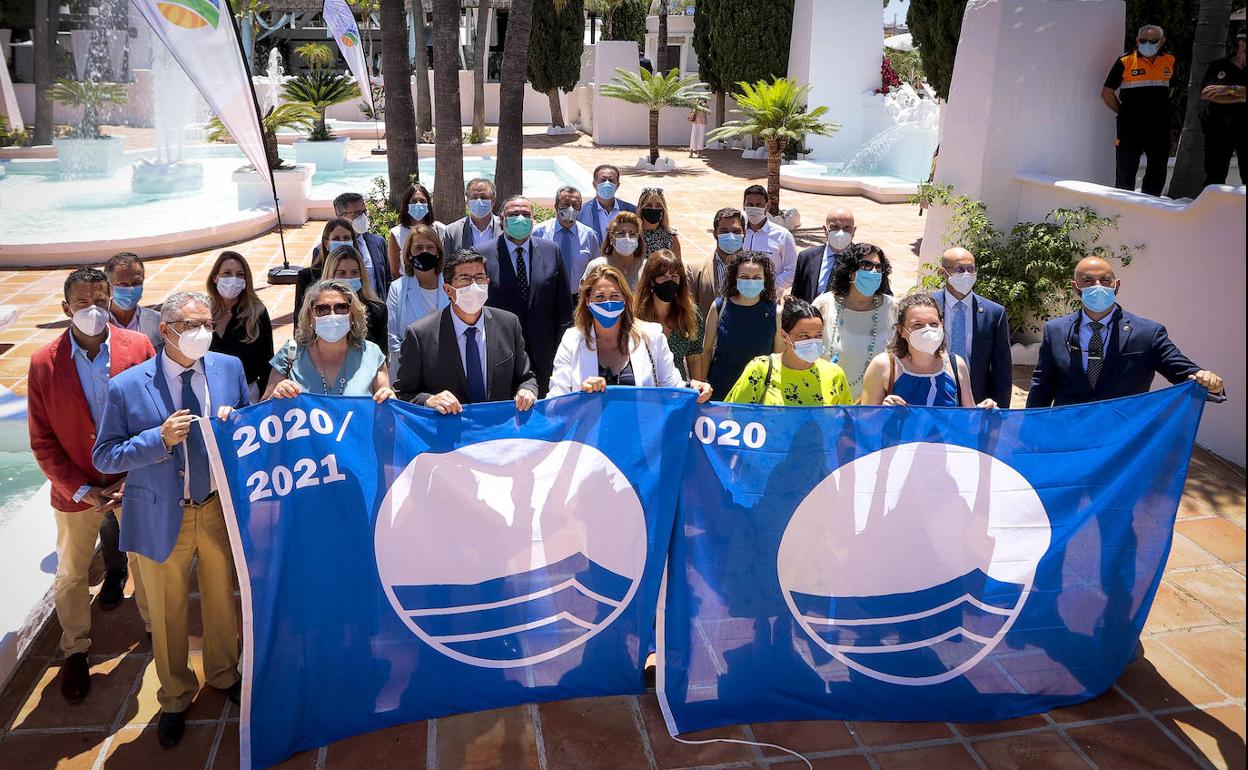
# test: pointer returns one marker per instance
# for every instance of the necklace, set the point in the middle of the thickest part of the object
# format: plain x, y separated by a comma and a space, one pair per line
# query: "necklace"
342, 381
875, 328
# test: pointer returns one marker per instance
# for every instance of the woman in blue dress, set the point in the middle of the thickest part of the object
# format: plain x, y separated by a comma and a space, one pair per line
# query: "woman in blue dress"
744, 322
917, 370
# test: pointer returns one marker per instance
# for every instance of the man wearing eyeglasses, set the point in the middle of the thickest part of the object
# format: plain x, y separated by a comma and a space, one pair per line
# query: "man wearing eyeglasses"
1138, 92
467, 353
152, 429
976, 329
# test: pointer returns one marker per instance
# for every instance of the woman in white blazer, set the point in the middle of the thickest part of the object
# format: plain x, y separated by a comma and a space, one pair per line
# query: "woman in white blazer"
418, 290
608, 345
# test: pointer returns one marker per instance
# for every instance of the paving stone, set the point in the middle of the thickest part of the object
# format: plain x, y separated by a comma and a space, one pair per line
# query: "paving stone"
1161, 680
952, 757
1107, 704
140, 748
1173, 609
669, 753
398, 746
1134, 744
1046, 750
579, 733
1217, 734
501, 738
63, 751
889, 733
1217, 653
1217, 536
111, 679
972, 729
1220, 589
804, 737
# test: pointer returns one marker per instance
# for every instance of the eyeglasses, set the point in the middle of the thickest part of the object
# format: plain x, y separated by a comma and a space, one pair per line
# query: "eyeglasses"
866, 264
337, 308
460, 281
658, 190
189, 326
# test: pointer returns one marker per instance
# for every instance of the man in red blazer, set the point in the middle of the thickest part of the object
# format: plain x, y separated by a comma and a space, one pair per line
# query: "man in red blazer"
66, 391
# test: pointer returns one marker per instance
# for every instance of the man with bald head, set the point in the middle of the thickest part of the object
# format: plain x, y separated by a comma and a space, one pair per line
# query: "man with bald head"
814, 265
1101, 351
976, 329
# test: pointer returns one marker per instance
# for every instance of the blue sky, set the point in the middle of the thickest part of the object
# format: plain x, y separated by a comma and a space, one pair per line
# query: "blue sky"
898, 7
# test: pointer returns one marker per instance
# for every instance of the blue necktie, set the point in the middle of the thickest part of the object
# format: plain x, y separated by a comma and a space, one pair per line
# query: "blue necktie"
472, 367
957, 330
196, 452
568, 252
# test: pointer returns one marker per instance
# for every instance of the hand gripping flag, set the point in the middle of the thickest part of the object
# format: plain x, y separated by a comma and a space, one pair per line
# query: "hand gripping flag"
916, 564
396, 564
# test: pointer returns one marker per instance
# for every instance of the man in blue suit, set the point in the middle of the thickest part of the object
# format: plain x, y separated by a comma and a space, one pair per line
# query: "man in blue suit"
1101, 351
152, 430
599, 212
976, 329
527, 280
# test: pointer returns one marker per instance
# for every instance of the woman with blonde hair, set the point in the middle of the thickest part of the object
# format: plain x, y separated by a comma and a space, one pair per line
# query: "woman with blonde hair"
664, 297
243, 327
344, 264
656, 229
417, 291
622, 248
609, 345
330, 354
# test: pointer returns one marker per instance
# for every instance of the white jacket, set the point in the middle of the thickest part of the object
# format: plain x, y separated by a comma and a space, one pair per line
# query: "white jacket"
653, 365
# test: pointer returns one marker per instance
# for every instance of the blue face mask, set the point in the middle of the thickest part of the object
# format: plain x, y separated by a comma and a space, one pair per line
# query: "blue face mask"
868, 282
750, 287
355, 283
418, 211
606, 190
480, 207
126, 297
606, 313
335, 245
730, 243
1149, 49
1098, 298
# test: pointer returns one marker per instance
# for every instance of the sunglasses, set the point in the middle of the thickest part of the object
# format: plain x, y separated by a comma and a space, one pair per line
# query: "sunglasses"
337, 308
866, 264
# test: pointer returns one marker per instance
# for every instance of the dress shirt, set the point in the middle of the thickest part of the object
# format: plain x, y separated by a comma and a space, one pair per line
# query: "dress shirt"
462, 340
721, 269
362, 247
199, 384
605, 216
968, 312
1085, 336
482, 236
133, 324
825, 269
93, 374
777, 241
525, 248
586, 242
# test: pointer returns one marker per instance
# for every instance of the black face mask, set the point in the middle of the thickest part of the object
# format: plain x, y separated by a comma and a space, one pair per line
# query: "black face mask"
425, 261
653, 216
667, 291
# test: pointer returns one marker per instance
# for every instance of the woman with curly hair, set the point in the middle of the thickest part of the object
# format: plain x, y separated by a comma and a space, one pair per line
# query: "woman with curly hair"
858, 312
744, 322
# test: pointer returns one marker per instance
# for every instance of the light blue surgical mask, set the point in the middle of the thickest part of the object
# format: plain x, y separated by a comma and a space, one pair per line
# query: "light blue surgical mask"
418, 211
606, 189
126, 297
809, 351
750, 287
730, 243
519, 226
1149, 49
480, 207
334, 245
355, 283
1098, 298
868, 282
606, 313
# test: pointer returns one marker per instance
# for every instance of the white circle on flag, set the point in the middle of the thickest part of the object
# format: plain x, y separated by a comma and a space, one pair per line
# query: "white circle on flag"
510, 552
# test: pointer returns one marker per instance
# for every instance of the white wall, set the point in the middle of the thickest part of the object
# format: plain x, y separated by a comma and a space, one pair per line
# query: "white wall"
617, 122
536, 106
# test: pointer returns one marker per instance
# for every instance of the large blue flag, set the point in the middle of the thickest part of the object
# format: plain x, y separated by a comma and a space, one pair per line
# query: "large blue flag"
396, 564
916, 564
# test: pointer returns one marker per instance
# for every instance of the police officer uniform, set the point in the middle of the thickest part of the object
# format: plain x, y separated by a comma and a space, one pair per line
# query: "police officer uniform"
1226, 125
1143, 86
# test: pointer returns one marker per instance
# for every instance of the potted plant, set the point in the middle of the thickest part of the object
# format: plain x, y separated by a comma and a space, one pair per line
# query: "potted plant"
294, 182
320, 89
655, 92
86, 150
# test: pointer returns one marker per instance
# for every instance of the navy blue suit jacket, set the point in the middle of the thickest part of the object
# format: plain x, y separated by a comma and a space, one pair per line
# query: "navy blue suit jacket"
589, 215
1136, 350
549, 309
806, 279
992, 368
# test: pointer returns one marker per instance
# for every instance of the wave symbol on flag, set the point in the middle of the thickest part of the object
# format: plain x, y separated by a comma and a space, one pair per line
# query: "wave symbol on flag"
972, 531
191, 14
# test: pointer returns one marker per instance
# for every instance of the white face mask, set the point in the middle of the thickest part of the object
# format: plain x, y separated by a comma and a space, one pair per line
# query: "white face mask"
230, 286
195, 343
360, 224
625, 244
568, 214
927, 340
332, 328
471, 298
839, 240
962, 282
755, 214
91, 320
809, 351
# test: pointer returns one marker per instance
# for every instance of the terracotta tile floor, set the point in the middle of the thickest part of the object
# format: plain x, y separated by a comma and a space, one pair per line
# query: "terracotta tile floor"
1182, 705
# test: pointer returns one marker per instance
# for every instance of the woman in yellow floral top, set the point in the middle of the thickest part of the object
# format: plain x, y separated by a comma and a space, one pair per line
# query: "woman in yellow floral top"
799, 376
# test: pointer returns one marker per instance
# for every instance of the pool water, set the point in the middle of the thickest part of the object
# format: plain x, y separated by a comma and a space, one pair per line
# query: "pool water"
542, 176
20, 478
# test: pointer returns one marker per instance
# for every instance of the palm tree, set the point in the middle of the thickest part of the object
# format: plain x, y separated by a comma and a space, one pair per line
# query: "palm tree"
448, 181
320, 89
660, 54
424, 112
91, 97
45, 56
509, 169
1189, 164
656, 92
776, 113
480, 47
402, 162
295, 115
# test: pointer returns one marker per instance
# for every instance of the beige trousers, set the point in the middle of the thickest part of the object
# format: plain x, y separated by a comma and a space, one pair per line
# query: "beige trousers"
168, 586
76, 535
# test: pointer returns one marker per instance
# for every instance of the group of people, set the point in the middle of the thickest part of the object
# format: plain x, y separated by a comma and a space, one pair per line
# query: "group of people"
495, 307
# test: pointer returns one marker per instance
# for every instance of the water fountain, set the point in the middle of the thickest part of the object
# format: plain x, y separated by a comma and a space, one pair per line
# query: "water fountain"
174, 105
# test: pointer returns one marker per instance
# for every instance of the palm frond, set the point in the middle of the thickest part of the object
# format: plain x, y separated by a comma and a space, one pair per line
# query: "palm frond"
658, 91
775, 110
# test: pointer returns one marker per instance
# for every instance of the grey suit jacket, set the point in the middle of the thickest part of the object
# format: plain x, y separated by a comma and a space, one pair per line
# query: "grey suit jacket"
149, 326
429, 360
458, 235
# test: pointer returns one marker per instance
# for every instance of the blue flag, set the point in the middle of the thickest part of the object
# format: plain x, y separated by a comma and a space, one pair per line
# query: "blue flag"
916, 564
397, 565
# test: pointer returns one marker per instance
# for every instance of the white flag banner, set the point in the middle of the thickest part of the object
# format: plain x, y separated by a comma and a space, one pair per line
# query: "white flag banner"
200, 34
341, 24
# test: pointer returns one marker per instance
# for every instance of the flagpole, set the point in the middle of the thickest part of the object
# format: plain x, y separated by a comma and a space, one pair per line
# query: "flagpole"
284, 274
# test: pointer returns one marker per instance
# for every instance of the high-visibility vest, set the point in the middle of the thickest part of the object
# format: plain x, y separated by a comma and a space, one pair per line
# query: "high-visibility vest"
1139, 72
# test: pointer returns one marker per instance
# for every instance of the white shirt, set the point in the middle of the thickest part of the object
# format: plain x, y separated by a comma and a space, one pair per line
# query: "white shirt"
586, 244
1085, 335
482, 236
462, 339
968, 313
199, 386
825, 269
777, 241
605, 216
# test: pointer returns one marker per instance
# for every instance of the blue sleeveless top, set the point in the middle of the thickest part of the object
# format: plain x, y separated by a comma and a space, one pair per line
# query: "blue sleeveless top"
744, 333
939, 389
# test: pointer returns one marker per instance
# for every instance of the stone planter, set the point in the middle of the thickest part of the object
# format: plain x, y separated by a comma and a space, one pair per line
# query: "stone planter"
789, 219
330, 155
90, 157
662, 165
294, 187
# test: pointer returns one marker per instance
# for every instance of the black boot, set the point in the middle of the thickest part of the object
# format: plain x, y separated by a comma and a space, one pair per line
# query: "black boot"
75, 677
113, 591
170, 728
